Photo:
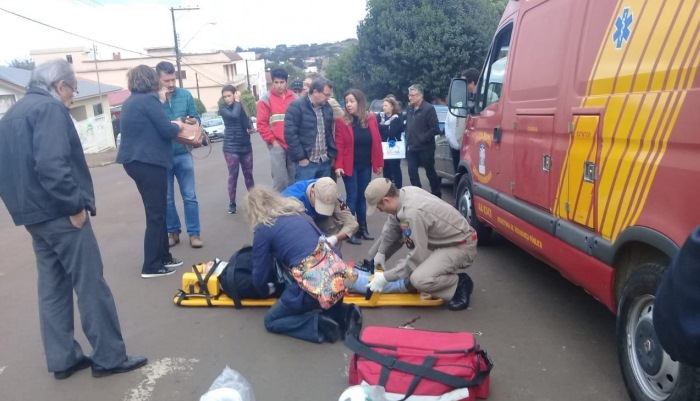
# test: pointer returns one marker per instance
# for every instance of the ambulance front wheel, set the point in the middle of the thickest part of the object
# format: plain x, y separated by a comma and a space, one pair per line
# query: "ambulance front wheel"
465, 205
649, 373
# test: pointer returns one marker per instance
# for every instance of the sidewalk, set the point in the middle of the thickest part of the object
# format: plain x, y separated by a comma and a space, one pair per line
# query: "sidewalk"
100, 159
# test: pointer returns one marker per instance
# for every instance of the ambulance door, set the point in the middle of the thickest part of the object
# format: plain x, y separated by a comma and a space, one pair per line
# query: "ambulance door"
532, 160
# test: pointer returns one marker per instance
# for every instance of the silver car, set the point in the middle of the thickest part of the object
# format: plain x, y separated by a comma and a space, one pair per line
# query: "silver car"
214, 128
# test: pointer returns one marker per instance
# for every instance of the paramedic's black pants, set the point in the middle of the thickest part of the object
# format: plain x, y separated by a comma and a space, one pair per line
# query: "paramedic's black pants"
426, 159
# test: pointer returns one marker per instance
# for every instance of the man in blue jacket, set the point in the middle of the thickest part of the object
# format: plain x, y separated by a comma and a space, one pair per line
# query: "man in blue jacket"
46, 186
308, 131
677, 304
180, 103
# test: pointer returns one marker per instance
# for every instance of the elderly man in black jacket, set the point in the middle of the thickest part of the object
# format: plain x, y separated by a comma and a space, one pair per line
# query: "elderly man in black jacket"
421, 127
308, 131
46, 186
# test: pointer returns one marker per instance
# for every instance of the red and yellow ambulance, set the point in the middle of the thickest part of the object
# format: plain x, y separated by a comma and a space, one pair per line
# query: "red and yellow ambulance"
584, 149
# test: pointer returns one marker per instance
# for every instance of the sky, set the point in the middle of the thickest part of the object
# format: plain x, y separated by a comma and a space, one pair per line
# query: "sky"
137, 24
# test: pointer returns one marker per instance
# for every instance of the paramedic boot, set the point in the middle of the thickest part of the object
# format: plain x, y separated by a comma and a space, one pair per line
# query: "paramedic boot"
364, 232
460, 300
355, 239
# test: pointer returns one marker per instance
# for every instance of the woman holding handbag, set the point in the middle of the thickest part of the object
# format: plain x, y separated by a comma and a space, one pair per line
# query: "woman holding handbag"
391, 126
359, 152
311, 306
238, 150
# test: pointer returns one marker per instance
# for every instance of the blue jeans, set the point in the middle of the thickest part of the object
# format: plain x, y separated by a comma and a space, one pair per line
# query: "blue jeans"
313, 170
183, 169
355, 186
392, 287
300, 323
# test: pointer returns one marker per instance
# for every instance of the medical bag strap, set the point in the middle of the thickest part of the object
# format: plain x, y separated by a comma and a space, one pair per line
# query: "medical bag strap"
203, 282
235, 295
392, 362
429, 362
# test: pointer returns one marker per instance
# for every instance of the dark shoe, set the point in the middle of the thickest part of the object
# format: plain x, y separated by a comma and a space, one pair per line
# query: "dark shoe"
365, 233
131, 363
80, 365
329, 329
172, 263
173, 239
164, 271
232, 208
366, 266
460, 300
353, 320
355, 239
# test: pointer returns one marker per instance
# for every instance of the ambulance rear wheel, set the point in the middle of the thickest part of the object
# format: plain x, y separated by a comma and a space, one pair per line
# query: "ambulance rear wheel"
465, 205
649, 373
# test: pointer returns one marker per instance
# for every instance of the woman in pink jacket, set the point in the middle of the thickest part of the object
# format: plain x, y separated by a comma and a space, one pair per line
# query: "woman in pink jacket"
359, 153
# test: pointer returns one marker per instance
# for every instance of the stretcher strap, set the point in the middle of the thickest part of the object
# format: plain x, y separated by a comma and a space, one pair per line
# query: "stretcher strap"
391, 362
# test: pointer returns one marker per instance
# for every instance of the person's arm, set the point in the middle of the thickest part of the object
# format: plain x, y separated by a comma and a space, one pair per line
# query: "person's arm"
377, 156
390, 234
264, 128
417, 255
432, 124
451, 130
343, 216
262, 259
155, 113
341, 133
396, 128
292, 120
52, 155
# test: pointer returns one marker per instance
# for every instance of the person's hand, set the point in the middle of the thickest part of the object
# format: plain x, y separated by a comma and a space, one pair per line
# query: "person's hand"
179, 124
275, 144
237, 96
304, 163
378, 282
78, 219
333, 240
379, 260
380, 170
339, 172
191, 121
162, 94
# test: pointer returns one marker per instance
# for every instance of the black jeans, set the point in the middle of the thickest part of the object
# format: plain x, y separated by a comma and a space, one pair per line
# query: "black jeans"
426, 159
152, 183
392, 171
455, 158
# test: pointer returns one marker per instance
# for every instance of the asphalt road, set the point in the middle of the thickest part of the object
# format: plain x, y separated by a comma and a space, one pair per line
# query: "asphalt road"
548, 339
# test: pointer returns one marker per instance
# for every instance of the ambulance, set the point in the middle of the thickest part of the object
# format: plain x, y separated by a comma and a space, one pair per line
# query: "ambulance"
583, 148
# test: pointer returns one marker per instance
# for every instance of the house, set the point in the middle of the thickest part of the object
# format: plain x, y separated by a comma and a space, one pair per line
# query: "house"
203, 74
90, 108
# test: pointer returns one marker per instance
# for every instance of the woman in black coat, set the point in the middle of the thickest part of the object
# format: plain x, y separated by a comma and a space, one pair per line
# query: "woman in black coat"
391, 126
238, 150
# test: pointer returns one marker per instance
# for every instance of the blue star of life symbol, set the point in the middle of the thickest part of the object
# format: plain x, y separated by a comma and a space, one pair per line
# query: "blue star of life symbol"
622, 28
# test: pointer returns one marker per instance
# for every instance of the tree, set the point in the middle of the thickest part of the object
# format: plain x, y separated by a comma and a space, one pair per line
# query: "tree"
247, 100
403, 42
25, 64
340, 71
201, 108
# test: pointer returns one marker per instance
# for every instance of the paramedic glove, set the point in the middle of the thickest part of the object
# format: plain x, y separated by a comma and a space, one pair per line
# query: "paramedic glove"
379, 260
332, 240
378, 282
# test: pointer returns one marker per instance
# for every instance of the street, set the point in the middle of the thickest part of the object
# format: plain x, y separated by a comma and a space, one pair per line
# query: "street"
548, 339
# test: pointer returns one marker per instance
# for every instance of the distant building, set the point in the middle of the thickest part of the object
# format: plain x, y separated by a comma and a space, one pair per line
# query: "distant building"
203, 74
90, 108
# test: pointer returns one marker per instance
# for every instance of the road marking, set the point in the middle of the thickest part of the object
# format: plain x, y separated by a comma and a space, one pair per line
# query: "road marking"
155, 370
2, 369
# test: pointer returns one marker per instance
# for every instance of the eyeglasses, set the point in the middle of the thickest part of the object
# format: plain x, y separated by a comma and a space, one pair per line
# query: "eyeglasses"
328, 95
73, 89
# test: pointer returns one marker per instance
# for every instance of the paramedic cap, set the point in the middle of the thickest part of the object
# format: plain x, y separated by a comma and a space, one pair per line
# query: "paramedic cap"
326, 196
376, 190
296, 85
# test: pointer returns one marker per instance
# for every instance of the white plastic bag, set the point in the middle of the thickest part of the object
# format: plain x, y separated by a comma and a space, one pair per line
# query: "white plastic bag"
366, 392
229, 386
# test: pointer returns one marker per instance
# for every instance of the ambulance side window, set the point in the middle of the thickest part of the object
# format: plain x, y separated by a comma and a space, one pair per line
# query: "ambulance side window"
491, 80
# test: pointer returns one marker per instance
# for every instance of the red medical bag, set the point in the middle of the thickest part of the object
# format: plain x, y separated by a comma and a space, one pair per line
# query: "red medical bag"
418, 362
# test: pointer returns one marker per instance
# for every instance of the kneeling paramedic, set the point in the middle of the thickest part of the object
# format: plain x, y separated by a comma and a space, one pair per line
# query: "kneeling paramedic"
441, 243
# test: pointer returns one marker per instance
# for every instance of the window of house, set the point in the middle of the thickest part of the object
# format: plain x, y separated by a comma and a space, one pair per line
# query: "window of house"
79, 113
183, 74
69, 58
6, 101
97, 109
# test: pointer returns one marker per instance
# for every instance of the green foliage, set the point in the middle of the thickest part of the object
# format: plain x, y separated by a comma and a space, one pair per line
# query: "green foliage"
428, 42
200, 106
249, 103
340, 71
293, 71
25, 64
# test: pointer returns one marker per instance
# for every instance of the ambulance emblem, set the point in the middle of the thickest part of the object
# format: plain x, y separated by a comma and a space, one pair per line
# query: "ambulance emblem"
622, 31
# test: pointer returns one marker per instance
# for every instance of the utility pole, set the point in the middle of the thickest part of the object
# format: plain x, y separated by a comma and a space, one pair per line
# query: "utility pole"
196, 77
247, 75
97, 71
177, 47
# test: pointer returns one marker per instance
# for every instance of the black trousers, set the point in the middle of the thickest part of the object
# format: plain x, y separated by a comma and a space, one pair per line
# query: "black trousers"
152, 183
455, 158
426, 159
392, 171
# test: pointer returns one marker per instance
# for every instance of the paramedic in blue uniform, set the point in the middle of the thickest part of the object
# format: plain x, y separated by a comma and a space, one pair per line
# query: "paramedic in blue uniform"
326, 207
441, 244
677, 304
46, 186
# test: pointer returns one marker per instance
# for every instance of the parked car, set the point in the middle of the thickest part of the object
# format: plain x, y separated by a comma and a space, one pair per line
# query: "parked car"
214, 128
443, 155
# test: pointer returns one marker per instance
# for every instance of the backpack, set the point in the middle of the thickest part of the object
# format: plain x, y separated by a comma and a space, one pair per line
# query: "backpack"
237, 278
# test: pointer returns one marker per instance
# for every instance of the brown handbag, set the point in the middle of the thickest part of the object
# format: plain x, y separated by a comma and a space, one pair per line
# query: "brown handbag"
190, 134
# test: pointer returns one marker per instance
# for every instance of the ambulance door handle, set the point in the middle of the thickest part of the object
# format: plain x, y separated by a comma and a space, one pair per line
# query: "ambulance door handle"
497, 134
546, 163
589, 172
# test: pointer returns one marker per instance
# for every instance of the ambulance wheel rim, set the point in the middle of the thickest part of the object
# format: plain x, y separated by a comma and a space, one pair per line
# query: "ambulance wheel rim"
465, 205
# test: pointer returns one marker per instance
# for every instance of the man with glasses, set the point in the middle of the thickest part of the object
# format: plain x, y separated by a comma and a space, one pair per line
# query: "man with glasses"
46, 186
308, 131
421, 127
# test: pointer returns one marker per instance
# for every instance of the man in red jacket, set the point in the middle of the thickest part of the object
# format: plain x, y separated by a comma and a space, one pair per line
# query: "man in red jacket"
271, 109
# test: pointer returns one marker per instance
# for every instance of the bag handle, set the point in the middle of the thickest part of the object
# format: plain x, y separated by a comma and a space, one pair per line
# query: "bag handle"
391, 362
